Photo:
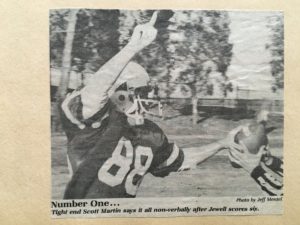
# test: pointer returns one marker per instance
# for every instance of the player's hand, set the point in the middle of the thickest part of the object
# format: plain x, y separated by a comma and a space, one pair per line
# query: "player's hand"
228, 141
244, 158
143, 34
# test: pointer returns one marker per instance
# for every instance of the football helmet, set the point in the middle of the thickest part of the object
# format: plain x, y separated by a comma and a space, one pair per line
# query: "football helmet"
131, 95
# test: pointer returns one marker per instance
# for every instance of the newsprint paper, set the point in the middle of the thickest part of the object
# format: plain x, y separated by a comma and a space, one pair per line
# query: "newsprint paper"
166, 113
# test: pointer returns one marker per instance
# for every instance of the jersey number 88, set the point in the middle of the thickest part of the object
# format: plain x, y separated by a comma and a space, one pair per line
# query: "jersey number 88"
123, 163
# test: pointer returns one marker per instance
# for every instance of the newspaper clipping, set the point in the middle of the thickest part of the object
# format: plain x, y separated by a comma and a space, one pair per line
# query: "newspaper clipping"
160, 113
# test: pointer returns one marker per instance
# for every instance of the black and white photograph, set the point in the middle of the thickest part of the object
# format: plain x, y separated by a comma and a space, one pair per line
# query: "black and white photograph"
166, 112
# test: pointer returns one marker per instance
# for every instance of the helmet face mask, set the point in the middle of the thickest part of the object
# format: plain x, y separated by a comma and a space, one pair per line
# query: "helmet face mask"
135, 105
131, 96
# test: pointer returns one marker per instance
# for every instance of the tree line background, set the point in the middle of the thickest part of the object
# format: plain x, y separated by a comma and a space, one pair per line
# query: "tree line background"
189, 48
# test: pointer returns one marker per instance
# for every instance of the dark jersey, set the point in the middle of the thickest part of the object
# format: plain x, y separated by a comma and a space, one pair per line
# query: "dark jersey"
121, 157
112, 159
81, 140
269, 175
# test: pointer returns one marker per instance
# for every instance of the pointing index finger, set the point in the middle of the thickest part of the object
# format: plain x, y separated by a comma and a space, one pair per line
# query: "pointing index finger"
153, 18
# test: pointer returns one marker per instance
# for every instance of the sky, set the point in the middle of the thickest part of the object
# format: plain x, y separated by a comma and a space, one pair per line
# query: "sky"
250, 65
250, 68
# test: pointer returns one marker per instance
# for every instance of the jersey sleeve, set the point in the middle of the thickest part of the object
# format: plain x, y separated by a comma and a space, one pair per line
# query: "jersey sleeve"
71, 114
70, 110
168, 159
269, 175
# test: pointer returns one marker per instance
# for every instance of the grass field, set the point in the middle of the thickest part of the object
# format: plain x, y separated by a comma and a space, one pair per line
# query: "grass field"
214, 177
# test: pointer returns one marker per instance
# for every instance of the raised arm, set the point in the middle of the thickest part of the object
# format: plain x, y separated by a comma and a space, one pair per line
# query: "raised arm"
95, 93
